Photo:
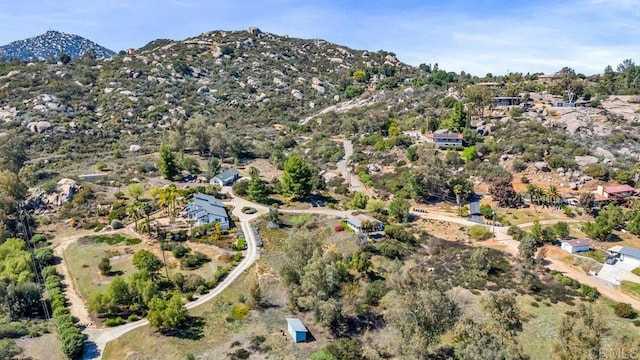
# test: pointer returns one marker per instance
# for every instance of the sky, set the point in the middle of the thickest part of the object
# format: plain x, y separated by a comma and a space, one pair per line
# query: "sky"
478, 37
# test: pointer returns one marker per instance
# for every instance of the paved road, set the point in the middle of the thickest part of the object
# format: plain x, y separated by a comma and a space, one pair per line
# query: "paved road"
343, 166
98, 338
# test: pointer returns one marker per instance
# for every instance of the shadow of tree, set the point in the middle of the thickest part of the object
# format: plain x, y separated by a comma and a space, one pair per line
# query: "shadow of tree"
191, 330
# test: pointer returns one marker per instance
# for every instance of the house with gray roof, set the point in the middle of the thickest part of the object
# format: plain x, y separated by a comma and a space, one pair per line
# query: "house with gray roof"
225, 178
205, 209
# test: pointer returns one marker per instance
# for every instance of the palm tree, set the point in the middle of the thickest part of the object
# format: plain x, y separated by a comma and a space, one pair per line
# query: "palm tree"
531, 191
166, 196
553, 195
135, 210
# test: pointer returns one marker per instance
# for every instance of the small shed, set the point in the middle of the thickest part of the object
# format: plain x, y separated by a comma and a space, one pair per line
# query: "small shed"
575, 246
297, 330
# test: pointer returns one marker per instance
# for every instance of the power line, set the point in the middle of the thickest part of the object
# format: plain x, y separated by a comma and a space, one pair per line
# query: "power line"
35, 264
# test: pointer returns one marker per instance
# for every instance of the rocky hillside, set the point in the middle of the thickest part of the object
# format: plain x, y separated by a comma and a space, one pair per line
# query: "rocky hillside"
243, 81
49, 45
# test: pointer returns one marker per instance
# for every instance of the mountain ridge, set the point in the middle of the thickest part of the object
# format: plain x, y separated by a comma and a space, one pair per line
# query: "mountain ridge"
50, 44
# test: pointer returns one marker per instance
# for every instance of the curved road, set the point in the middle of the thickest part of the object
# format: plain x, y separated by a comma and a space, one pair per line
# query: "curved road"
98, 338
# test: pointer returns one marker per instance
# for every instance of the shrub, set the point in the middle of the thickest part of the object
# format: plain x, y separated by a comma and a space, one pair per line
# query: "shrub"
589, 292
202, 290
114, 322
133, 318
240, 188
116, 224
624, 311
194, 261
180, 251
479, 232
240, 311
9, 349
189, 296
636, 322
535, 304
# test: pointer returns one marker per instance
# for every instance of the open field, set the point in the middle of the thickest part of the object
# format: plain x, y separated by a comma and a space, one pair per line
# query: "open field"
83, 258
631, 288
218, 334
542, 323
46, 346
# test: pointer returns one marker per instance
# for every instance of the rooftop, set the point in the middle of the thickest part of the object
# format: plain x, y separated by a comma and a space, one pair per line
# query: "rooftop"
207, 203
445, 136
296, 325
617, 189
629, 251
575, 243
228, 174
358, 219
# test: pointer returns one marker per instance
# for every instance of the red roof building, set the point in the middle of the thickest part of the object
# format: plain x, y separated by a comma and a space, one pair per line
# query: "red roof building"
615, 192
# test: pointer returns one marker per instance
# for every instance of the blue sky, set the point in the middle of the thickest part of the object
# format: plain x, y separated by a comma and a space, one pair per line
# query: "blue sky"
479, 36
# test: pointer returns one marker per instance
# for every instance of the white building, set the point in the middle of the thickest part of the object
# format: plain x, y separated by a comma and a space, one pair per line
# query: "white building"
630, 256
205, 209
574, 246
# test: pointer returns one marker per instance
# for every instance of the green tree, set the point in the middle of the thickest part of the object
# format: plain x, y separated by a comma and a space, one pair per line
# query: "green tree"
105, 266
257, 188
562, 229
146, 260
167, 197
135, 190
167, 315
13, 153
198, 133
469, 153
167, 163
580, 335
297, 177
399, 209
359, 200
479, 261
423, 313
527, 251
457, 119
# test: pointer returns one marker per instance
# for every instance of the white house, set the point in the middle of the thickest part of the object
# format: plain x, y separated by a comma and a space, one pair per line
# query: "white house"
574, 246
225, 178
205, 209
630, 256
357, 222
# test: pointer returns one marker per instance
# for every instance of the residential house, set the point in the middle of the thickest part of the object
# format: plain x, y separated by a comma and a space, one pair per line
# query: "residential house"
225, 178
297, 330
630, 256
574, 246
506, 100
412, 134
614, 193
205, 209
544, 79
364, 223
446, 139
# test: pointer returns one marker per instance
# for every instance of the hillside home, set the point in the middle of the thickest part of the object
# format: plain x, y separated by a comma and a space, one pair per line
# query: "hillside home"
366, 223
412, 134
205, 209
574, 246
225, 178
506, 100
544, 79
446, 139
614, 193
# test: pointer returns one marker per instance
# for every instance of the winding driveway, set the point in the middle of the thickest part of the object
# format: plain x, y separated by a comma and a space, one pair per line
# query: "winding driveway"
98, 338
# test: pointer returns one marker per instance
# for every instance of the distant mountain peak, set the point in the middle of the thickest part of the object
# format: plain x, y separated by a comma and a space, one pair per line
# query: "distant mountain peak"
49, 45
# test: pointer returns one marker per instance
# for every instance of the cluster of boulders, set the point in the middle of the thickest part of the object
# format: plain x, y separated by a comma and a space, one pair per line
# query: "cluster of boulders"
42, 202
